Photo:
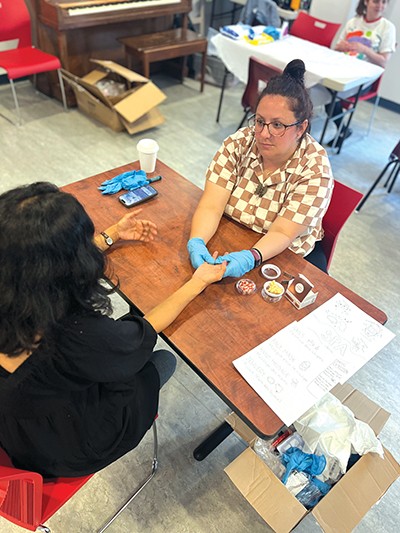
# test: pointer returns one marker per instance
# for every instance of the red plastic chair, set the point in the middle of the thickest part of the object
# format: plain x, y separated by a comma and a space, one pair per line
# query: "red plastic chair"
315, 30
259, 75
372, 93
394, 162
343, 203
28, 500
25, 60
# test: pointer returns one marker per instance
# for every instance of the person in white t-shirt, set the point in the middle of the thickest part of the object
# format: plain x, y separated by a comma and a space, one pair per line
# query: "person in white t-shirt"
369, 37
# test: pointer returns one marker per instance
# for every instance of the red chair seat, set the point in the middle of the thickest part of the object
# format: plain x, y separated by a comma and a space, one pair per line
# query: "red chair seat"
27, 61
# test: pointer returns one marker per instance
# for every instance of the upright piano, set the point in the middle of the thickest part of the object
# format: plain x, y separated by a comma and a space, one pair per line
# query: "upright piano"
79, 30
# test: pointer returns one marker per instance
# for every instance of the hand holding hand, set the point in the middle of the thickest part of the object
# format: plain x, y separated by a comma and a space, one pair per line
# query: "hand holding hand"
199, 253
239, 263
131, 228
210, 273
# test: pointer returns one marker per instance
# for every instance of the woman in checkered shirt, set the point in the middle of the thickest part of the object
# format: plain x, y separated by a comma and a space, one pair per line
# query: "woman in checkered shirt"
271, 176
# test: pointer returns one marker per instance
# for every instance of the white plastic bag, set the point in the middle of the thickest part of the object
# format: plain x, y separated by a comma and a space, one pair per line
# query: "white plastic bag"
332, 428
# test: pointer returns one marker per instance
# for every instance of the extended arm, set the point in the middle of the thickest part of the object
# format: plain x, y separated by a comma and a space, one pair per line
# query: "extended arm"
279, 237
208, 213
128, 228
165, 313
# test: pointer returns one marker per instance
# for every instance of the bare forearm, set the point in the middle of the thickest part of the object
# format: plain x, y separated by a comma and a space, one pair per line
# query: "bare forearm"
205, 223
112, 232
165, 313
272, 244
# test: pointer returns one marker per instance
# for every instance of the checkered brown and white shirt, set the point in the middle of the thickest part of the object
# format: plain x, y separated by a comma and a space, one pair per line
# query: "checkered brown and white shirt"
300, 190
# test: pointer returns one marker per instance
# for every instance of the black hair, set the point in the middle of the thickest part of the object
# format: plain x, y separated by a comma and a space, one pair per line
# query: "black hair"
50, 267
361, 8
290, 84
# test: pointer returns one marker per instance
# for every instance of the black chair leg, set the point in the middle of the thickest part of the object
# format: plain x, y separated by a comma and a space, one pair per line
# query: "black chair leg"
378, 179
221, 97
244, 118
394, 177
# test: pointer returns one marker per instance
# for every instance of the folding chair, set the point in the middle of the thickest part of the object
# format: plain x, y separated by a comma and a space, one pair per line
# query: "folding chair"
28, 500
259, 75
343, 203
25, 60
394, 161
315, 30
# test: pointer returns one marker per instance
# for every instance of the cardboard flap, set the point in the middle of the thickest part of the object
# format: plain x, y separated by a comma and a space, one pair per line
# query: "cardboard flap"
363, 485
140, 102
88, 82
241, 428
131, 76
150, 120
363, 408
265, 492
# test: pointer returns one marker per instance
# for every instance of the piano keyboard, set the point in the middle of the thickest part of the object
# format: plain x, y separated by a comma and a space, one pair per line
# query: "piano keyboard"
89, 10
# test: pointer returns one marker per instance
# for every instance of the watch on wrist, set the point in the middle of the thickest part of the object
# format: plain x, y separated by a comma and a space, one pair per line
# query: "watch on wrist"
107, 239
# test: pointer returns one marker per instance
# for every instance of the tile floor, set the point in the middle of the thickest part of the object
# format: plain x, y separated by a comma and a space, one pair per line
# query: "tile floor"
187, 496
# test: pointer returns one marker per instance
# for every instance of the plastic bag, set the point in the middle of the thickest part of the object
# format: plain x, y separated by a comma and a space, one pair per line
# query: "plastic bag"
331, 428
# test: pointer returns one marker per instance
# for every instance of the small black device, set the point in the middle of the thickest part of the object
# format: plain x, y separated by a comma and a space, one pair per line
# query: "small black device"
137, 196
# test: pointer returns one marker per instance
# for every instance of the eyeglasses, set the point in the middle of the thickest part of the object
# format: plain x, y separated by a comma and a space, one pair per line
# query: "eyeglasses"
277, 129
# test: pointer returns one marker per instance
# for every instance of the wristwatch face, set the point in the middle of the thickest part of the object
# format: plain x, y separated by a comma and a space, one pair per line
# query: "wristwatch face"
107, 239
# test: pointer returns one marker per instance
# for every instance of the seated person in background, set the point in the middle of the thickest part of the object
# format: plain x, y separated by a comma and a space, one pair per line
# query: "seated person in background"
273, 177
77, 389
369, 37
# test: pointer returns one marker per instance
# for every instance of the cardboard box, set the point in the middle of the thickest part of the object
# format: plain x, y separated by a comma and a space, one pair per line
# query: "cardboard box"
348, 500
133, 110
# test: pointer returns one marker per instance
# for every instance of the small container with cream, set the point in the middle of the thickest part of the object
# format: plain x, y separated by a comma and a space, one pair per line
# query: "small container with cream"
272, 291
270, 271
246, 286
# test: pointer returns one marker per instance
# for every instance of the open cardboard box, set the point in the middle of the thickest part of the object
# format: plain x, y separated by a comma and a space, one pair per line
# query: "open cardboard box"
134, 110
348, 500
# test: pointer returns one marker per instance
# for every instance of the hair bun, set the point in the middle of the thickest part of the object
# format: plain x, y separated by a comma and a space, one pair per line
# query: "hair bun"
296, 70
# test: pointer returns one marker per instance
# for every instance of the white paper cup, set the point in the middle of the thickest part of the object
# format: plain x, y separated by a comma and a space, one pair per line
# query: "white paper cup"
147, 150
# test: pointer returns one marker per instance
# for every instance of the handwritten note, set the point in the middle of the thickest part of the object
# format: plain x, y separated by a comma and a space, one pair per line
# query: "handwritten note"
299, 364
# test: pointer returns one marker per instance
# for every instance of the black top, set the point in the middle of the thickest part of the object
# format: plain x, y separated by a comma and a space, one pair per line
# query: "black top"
74, 408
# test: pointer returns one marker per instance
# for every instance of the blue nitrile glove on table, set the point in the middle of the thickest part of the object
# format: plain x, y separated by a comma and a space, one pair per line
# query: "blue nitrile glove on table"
239, 263
199, 253
127, 180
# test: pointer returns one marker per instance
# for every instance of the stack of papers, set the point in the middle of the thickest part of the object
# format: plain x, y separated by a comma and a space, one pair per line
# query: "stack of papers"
305, 360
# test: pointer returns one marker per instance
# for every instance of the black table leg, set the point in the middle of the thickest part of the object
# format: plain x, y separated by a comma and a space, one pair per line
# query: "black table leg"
212, 441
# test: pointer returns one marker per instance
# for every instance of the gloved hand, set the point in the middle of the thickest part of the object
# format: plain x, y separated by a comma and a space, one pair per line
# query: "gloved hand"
239, 263
199, 253
127, 180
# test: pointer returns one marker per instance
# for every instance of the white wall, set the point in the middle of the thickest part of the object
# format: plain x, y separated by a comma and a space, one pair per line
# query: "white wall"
333, 11
390, 87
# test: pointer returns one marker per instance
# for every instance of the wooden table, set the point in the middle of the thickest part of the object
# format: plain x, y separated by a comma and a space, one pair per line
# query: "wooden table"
219, 325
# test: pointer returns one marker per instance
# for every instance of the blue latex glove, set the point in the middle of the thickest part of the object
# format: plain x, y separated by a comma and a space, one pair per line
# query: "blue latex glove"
239, 263
127, 180
296, 459
199, 253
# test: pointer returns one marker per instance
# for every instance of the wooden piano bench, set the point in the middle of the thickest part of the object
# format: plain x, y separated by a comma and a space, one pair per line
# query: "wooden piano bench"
165, 45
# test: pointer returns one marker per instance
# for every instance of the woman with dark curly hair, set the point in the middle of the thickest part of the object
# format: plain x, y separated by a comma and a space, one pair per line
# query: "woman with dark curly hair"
272, 177
77, 389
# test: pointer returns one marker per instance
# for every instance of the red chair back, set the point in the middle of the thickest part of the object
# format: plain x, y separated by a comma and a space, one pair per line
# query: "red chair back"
259, 75
343, 203
315, 30
28, 500
15, 22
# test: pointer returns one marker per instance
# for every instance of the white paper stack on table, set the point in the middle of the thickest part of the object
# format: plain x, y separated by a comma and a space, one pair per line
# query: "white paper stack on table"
305, 360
